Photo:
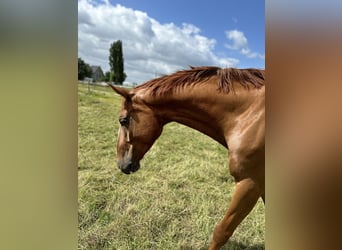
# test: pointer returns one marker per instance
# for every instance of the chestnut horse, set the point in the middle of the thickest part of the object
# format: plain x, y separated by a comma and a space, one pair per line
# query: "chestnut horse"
226, 104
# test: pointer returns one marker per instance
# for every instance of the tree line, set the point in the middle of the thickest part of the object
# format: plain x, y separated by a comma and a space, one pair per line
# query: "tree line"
116, 63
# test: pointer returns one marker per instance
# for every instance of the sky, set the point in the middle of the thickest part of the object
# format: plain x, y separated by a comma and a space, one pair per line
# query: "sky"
162, 36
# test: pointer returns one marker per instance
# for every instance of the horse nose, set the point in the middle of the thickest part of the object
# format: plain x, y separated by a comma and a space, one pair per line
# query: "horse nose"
125, 170
128, 167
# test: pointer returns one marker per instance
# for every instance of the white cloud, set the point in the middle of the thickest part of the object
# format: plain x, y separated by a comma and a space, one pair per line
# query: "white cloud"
238, 38
250, 54
240, 42
150, 48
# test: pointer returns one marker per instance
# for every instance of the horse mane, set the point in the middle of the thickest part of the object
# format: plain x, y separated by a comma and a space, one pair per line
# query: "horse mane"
195, 75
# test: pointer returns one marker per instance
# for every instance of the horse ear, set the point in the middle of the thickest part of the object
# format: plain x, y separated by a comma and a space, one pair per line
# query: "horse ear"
122, 91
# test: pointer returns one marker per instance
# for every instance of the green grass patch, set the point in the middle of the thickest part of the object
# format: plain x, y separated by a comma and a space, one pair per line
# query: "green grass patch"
173, 202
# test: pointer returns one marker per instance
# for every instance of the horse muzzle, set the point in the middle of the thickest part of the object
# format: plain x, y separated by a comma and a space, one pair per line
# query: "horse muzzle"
128, 167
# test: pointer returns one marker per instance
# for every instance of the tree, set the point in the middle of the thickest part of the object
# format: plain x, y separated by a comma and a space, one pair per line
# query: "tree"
106, 77
116, 63
84, 69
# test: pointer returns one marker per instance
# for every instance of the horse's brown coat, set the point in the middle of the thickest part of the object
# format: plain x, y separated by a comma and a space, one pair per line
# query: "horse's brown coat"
226, 104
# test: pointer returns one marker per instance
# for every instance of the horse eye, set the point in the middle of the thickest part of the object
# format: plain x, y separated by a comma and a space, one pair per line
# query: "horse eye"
124, 121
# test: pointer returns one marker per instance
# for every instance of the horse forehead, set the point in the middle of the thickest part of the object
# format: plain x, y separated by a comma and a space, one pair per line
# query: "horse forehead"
135, 109
128, 105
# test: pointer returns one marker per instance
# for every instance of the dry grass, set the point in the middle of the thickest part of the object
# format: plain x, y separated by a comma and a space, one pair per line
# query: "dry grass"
173, 202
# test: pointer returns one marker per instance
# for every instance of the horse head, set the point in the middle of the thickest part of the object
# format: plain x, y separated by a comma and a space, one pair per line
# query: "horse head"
139, 128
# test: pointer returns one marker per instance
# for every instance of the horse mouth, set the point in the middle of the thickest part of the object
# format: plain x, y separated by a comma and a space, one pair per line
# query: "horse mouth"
129, 167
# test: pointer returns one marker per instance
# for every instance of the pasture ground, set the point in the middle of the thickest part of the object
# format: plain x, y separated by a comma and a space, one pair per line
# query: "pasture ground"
173, 202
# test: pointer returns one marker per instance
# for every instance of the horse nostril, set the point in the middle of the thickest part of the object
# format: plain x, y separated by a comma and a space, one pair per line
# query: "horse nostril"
126, 171
128, 167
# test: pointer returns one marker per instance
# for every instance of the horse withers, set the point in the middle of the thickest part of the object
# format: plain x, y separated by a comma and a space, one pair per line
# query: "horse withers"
226, 104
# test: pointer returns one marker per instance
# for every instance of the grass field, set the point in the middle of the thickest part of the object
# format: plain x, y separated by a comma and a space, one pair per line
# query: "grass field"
173, 202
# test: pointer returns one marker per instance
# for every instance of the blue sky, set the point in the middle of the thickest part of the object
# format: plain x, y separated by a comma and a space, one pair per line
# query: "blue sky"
213, 18
162, 36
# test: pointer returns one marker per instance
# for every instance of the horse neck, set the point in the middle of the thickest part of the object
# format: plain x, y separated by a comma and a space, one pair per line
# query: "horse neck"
203, 109
196, 117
